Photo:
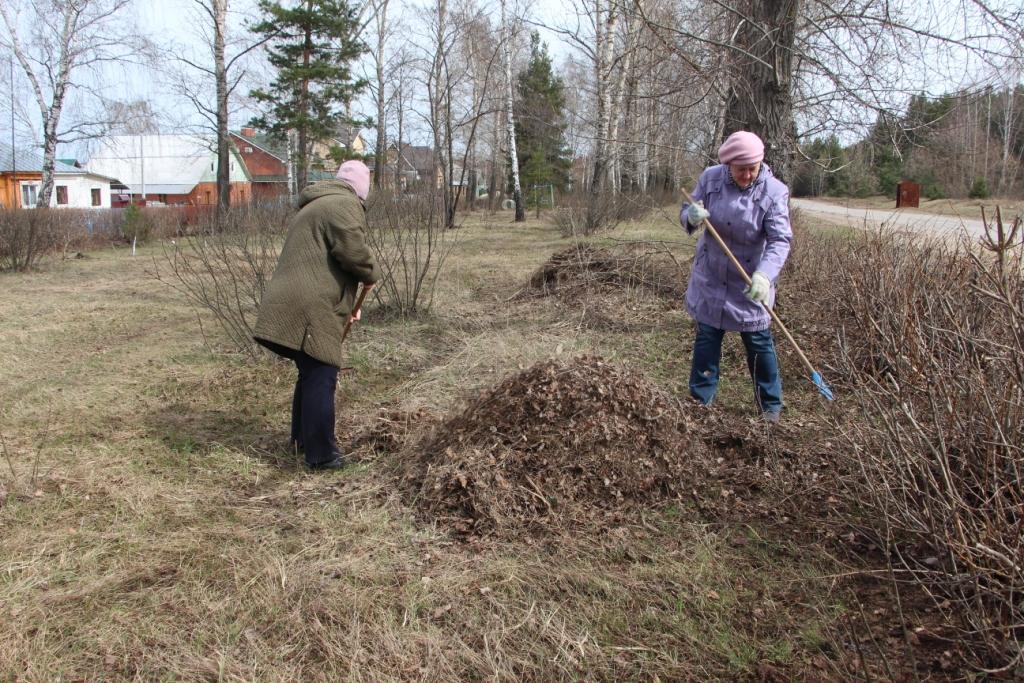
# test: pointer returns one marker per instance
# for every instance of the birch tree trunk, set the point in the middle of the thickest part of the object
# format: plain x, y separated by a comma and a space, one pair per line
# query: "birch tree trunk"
510, 123
220, 13
304, 144
441, 124
401, 131
604, 24
1009, 127
61, 78
615, 114
380, 154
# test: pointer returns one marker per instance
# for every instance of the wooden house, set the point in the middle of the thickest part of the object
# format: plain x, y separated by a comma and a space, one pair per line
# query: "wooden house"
21, 177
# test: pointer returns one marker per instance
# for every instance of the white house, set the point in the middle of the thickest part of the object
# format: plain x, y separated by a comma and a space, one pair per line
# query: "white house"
73, 188
80, 189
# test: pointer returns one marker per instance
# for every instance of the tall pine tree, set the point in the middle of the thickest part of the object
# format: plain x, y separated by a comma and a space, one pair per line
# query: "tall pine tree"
540, 121
311, 46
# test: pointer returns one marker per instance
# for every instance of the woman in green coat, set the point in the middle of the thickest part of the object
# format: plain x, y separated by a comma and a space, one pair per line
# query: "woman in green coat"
310, 299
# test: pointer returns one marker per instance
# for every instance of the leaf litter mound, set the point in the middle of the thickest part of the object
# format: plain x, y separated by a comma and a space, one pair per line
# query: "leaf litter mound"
557, 444
583, 268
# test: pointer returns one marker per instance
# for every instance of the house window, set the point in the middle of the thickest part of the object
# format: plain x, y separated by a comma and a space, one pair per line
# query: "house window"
208, 198
29, 195
96, 198
248, 150
62, 195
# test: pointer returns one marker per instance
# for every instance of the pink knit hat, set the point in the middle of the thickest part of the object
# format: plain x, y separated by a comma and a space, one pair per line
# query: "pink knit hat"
356, 175
742, 147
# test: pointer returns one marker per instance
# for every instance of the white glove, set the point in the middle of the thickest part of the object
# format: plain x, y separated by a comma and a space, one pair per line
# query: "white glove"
759, 289
696, 213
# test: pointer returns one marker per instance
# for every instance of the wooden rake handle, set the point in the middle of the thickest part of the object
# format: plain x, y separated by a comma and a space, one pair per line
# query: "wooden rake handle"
746, 278
355, 309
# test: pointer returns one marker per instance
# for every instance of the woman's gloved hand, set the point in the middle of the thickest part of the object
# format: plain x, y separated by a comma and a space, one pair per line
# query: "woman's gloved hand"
696, 213
759, 289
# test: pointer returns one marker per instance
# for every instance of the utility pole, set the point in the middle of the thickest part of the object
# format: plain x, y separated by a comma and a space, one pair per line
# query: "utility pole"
14, 157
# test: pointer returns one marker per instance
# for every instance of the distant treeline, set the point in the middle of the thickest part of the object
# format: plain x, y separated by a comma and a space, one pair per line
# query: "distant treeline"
958, 145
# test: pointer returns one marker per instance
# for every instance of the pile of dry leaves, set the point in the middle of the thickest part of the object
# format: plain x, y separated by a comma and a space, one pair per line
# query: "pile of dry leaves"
584, 267
558, 442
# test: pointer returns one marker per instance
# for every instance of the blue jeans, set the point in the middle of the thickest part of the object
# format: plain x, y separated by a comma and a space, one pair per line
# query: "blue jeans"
761, 363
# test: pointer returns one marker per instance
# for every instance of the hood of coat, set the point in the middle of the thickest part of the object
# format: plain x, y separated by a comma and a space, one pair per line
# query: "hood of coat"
323, 189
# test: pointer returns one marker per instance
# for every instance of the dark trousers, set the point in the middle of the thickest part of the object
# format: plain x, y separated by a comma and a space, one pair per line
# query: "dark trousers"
761, 363
313, 409
312, 405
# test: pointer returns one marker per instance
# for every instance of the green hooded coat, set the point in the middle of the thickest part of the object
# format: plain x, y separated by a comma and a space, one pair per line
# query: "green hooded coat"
325, 257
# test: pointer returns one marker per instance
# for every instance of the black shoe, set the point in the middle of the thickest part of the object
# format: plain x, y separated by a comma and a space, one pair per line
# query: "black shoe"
336, 464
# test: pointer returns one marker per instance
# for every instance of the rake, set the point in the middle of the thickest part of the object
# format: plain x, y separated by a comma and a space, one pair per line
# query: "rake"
348, 325
816, 377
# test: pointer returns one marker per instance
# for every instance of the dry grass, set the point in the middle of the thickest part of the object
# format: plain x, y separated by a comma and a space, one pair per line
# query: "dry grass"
153, 527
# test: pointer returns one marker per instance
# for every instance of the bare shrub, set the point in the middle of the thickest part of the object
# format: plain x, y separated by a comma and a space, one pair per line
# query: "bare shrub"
169, 222
89, 228
224, 268
408, 236
26, 236
934, 352
583, 214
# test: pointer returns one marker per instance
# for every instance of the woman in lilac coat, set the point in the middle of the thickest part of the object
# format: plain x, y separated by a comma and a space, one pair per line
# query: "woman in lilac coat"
749, 208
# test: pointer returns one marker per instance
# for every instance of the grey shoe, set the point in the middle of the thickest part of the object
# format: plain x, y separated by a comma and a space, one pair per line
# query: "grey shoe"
771, 416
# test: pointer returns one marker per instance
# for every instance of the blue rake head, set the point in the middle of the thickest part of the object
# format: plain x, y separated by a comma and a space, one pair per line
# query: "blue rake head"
822, 387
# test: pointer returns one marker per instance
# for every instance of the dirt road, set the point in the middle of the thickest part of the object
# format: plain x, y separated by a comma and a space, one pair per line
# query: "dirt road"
909, 220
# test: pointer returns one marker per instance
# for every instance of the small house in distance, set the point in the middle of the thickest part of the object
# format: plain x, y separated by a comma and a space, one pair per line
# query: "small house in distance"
167, 169
21, 178
266, 162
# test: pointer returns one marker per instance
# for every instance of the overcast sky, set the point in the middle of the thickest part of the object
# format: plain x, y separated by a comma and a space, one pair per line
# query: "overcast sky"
177, 25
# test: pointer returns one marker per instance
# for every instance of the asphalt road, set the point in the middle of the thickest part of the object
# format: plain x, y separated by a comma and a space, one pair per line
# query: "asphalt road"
872, 218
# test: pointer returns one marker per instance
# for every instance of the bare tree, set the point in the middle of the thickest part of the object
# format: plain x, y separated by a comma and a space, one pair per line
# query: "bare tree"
815, 66
457, 98
67, 41
760, 95
135, 117
380, 19
510, 135
402, 80
226, 72
438, 91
